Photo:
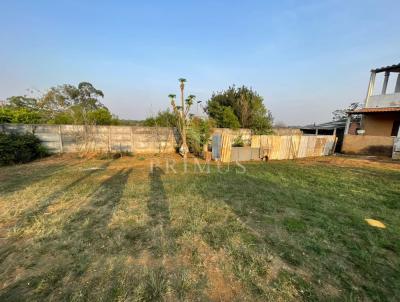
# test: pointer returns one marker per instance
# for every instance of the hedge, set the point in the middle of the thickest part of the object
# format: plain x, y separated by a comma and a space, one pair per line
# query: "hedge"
20, 148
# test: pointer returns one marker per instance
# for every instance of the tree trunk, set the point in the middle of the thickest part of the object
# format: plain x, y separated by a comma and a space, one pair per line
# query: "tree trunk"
183, 149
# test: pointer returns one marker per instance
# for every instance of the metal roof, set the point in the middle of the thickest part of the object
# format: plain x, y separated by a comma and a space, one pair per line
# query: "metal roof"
329, 125
395, 67
375, 110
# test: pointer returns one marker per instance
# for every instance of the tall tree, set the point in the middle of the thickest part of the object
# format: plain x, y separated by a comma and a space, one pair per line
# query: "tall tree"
341, 114
240, 107
77, 101
29, 103
182, 114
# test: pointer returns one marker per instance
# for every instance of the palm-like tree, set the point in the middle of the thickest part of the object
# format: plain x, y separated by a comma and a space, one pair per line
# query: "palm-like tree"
182, 86
181, 112
172, 97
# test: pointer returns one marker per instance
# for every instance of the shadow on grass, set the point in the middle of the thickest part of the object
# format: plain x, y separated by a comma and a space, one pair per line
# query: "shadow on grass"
157, 205
158, 227
29, 176
310, 220
30, 214
67, 254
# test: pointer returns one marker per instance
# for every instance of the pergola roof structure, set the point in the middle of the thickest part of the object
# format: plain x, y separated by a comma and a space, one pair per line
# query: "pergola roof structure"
391, 68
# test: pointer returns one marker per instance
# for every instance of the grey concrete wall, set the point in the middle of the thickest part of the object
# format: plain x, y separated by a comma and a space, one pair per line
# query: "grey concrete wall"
78, 138
384, 100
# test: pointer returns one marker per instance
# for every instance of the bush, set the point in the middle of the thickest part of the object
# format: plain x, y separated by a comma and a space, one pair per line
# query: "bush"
162, 119
238, 142
20, 148
19, 116
198, 134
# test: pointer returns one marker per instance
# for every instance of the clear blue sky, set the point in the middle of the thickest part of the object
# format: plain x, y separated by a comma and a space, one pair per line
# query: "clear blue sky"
306, 58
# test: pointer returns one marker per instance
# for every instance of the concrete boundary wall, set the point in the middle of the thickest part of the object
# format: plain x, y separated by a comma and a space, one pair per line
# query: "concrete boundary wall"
80, 138
368, 145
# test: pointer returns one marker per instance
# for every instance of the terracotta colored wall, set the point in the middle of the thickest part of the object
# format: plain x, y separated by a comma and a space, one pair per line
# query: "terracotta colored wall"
367, 144
353, 127
380, 124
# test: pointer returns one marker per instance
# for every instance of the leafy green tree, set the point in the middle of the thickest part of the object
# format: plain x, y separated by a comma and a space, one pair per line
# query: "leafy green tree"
64, 104
243, 103
79, 102
25, 116
224, 116
63, 118
5, 115
163, 119
23, 102
101, 116
20, 116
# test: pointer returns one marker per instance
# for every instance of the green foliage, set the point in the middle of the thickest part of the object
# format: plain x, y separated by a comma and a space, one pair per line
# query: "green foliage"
238, 142
19, 116
23, 102
64, 104
20, 148
198, 134
224, 116
240, 107
63, 118
101, 116
79, 102
163, 119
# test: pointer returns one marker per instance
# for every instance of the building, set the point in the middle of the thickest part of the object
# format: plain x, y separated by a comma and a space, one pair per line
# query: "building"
336, 128
380, 116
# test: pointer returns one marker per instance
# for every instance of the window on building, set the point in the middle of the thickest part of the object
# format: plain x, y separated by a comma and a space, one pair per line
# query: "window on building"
395, 129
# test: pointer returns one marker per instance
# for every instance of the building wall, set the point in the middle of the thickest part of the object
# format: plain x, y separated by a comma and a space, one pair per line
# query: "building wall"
353, 127
380, 124
384, 100
368, 145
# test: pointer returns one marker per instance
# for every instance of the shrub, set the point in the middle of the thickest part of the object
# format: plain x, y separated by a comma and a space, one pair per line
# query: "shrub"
198, 134
19, 116
162, 119
20, 148
238, 142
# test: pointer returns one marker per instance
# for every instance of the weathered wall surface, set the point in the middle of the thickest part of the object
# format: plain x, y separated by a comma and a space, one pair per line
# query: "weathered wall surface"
78, 138
245, 133
294, 146
396, 148
384, 100
368, 144
287, 131
380, 124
